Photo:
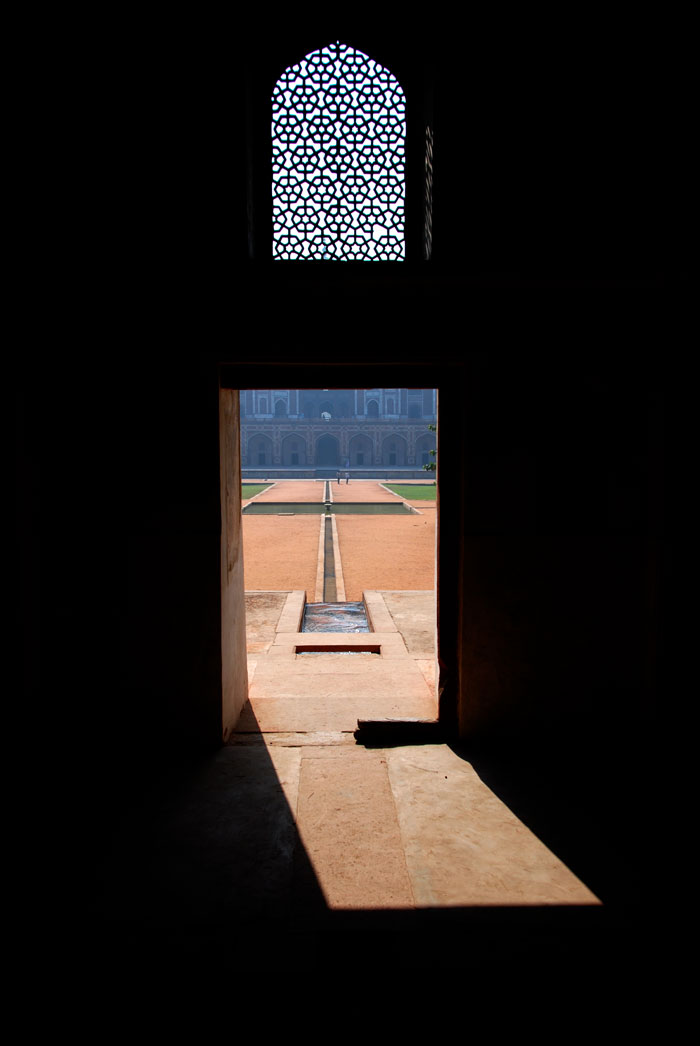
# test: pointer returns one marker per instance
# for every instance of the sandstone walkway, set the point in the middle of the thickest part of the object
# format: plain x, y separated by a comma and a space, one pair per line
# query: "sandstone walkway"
281, 552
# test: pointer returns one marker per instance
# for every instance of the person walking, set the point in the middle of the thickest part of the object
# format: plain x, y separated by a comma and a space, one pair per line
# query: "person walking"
347, 477
339, 478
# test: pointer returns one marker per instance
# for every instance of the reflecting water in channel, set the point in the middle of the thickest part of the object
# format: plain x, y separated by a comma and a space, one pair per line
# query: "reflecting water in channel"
335, 617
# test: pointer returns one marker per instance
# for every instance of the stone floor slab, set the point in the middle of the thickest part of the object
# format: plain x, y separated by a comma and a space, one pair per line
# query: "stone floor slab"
331, 713
428, 668
360, 671
262, 613
347, 823
414, 615
463, 845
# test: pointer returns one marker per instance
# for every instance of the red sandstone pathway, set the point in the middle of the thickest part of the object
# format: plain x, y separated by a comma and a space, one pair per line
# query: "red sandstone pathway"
280, 552
294, 490
387, 552
377, 552
384, 552
360, 490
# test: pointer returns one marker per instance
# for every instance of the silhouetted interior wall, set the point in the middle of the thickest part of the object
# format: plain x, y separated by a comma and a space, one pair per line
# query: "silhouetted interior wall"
121, 528
172, 606
540, 317
561, 577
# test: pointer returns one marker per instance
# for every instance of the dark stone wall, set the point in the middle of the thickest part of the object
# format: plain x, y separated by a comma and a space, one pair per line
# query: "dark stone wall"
548, 320
120, 580
562, 544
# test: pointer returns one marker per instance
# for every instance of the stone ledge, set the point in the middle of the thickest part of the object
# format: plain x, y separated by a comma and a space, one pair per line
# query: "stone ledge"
377, 613
292, 612
391, 644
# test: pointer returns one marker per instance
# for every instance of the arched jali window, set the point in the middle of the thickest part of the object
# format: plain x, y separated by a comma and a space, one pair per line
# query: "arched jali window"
338, 159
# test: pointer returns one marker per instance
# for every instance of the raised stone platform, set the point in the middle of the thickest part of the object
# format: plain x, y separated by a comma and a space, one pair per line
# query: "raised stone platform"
290, 692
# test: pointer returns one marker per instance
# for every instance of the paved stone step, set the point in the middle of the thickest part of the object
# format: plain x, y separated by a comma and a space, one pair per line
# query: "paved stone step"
331, 712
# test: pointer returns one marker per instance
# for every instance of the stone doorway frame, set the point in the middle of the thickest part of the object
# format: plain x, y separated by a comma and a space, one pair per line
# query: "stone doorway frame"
236, 377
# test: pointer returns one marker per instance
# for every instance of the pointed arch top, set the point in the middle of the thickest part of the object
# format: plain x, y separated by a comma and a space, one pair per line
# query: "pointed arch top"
338, 159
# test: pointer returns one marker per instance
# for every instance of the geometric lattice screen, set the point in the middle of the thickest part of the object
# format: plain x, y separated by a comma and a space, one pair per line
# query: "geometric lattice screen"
338, 159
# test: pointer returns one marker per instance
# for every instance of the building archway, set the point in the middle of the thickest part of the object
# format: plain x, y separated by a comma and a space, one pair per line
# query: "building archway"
424, 444
249, 377
259, 451
360, 451
327, 451
293, 450
393, 450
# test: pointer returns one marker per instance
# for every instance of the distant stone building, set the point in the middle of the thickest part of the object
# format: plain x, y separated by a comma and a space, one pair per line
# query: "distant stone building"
309, 430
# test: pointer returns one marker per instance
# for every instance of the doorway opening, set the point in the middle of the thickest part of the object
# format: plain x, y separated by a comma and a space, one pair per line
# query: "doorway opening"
356, 526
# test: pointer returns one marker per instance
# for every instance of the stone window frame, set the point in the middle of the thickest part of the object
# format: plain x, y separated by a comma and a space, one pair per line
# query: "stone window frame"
297, 150
414, 71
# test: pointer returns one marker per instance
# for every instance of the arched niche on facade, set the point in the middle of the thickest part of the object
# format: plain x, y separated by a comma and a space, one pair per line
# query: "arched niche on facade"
372, 408
394, 450
293, 450
280, 408
424, 444
327, 450
360, 450
259, 450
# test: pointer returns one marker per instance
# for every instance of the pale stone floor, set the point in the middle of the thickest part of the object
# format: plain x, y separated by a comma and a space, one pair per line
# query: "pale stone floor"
409, 826
299, 827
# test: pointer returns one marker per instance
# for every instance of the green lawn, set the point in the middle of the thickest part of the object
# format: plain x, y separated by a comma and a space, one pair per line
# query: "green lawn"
414, 492
249, 490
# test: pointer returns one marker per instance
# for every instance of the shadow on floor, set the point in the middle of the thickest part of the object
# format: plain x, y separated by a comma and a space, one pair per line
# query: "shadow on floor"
207, 860
593, 803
